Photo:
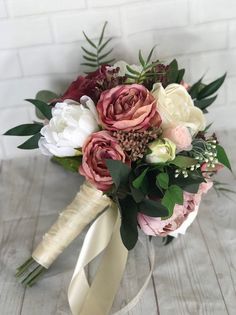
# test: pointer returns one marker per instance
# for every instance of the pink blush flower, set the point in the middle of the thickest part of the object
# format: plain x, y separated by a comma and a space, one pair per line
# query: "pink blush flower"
181, 219
128, 108
180, 136
99, 147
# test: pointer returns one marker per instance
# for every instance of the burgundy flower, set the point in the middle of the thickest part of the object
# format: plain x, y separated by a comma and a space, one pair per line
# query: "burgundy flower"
93, 84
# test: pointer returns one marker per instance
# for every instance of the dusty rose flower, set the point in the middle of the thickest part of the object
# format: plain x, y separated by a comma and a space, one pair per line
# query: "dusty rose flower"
128, 108
180, 135
181, 219
99, 147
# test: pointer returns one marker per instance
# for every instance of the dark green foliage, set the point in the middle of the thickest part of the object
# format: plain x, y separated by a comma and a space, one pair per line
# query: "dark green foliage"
24, 130
31, 143
222, 157
201, 92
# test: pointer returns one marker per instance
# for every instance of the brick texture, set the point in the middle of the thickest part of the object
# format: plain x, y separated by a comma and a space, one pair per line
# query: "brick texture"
40, 47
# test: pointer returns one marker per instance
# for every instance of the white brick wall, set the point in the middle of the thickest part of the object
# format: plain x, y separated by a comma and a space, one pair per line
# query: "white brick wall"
40, 47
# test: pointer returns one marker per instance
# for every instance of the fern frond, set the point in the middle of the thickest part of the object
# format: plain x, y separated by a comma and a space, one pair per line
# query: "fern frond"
96, 54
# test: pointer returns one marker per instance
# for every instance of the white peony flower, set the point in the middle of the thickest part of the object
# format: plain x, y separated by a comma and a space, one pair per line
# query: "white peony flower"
123, 70
69, 127
176, 106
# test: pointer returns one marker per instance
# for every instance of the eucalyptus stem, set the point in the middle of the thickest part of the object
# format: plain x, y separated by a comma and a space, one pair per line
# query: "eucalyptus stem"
29, 272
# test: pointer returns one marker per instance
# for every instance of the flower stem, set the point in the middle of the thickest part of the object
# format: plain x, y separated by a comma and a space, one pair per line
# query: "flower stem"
29, 272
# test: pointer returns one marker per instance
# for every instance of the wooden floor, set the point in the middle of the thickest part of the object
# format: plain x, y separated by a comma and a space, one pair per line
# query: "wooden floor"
196, 274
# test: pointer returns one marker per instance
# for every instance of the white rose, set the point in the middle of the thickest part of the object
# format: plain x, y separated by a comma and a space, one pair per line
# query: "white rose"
176, 106
123, 70
69, 127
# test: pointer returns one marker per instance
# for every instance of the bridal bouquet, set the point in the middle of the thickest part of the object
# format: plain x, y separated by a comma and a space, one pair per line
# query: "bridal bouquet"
138, 135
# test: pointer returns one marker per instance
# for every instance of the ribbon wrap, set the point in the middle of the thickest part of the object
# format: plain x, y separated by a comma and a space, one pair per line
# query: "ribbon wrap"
87, 204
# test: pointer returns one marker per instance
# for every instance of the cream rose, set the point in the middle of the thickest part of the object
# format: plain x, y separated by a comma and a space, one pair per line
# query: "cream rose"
162, 150
176, 106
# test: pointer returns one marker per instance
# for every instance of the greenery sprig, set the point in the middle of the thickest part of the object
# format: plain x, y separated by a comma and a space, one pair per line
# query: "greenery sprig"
146, 71
97, 55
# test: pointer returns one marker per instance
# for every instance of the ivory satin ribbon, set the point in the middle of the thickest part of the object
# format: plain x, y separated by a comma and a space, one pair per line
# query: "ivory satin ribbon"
102, 236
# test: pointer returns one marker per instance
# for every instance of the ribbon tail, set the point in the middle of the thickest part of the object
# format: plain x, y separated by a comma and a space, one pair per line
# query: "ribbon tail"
104, 235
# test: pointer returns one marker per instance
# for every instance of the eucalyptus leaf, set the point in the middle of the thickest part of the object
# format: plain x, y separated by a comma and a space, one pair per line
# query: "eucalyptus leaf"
43, 107
46, 96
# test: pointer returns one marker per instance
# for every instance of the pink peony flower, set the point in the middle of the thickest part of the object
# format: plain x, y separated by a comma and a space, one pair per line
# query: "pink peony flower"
128, 108
181, 219
180, 135
100, 146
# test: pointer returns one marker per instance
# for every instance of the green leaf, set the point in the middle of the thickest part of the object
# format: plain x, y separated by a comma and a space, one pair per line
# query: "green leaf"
222, 156
131, 70
104, 45
24, 130
141, 59
90, 58
195, 88
181, 73
137, 183
208, 127
69, 163
150, 54
173, 196
102, 34
129, 228
31, 143
163, 180
183, 161
119, 172
106, 62
43, 107
89, 41
89, 52
204, 103
46, 96
192, 188
105, 55
153, 208
172, 73
92, 65
211, 88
